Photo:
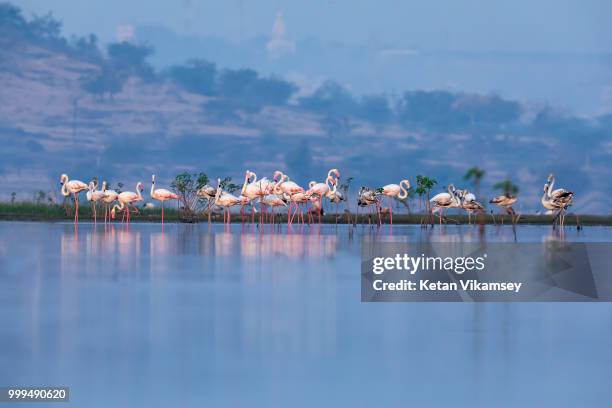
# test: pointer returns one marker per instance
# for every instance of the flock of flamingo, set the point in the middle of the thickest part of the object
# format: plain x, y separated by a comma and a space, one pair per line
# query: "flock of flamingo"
282, 192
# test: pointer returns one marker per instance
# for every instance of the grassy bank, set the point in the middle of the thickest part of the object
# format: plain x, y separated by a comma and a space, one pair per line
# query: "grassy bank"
28, 211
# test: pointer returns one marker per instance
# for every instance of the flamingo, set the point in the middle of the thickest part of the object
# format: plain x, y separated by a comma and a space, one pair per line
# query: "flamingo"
396, 190
505, 201
368, 197
469, 203
335, 196
93, 196
316, 207
125, 199
273, 200
298, 199
244, 200
207, 193
161, 194
73, 187
443, 201
110, 196
225, 200
256, 189
321, 189
250, 190
558, 199
287, 187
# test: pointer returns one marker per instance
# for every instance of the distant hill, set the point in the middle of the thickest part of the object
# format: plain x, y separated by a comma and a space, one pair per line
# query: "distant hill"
68, 106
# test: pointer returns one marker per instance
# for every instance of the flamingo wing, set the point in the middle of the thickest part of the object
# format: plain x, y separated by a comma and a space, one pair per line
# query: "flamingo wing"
162, 193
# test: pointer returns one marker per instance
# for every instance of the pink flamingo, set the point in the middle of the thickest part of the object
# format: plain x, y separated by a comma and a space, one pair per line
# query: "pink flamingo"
298, 199
250, 190
287, 187
93, 196
273, 200
125, 199
161, 194
257, 188
396, 190
110, 196
73, 187
321, 189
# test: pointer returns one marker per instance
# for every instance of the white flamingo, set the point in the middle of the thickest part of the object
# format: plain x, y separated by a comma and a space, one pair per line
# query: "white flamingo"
250, 190
444, 201
110, 196
366, 197
321, 189
73, 187
505, 201
125, 199
225, 200
257, 189
273, 201
207, 193
556, 200
396, 191
161, 194
469, 203
93, 196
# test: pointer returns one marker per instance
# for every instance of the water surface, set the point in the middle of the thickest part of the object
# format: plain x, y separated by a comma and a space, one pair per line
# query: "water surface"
201, 316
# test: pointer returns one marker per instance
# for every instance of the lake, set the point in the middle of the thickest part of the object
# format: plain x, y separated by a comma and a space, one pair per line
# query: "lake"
202, 316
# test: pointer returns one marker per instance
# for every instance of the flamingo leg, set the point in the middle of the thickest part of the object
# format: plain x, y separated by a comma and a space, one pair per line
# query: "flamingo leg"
76, 208
320, 208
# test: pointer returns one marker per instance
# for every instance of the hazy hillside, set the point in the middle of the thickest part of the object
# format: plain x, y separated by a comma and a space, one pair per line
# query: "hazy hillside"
68, 106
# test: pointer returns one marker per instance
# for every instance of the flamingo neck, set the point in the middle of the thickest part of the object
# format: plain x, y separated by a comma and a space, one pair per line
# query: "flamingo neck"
153, 187
218, 194
246, 182
403, 191
138, 190
552, 183
328, 181
276, 188
65, 189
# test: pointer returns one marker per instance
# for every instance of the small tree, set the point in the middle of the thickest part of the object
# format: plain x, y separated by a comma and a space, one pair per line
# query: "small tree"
227, 185
476, 174
507, 187
13, 196
186, 186
424, 186
40, 197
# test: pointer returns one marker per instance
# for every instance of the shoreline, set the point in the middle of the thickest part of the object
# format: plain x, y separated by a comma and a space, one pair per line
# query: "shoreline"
398, 219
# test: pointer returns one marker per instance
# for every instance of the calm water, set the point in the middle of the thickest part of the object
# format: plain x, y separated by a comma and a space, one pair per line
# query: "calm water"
199, 317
